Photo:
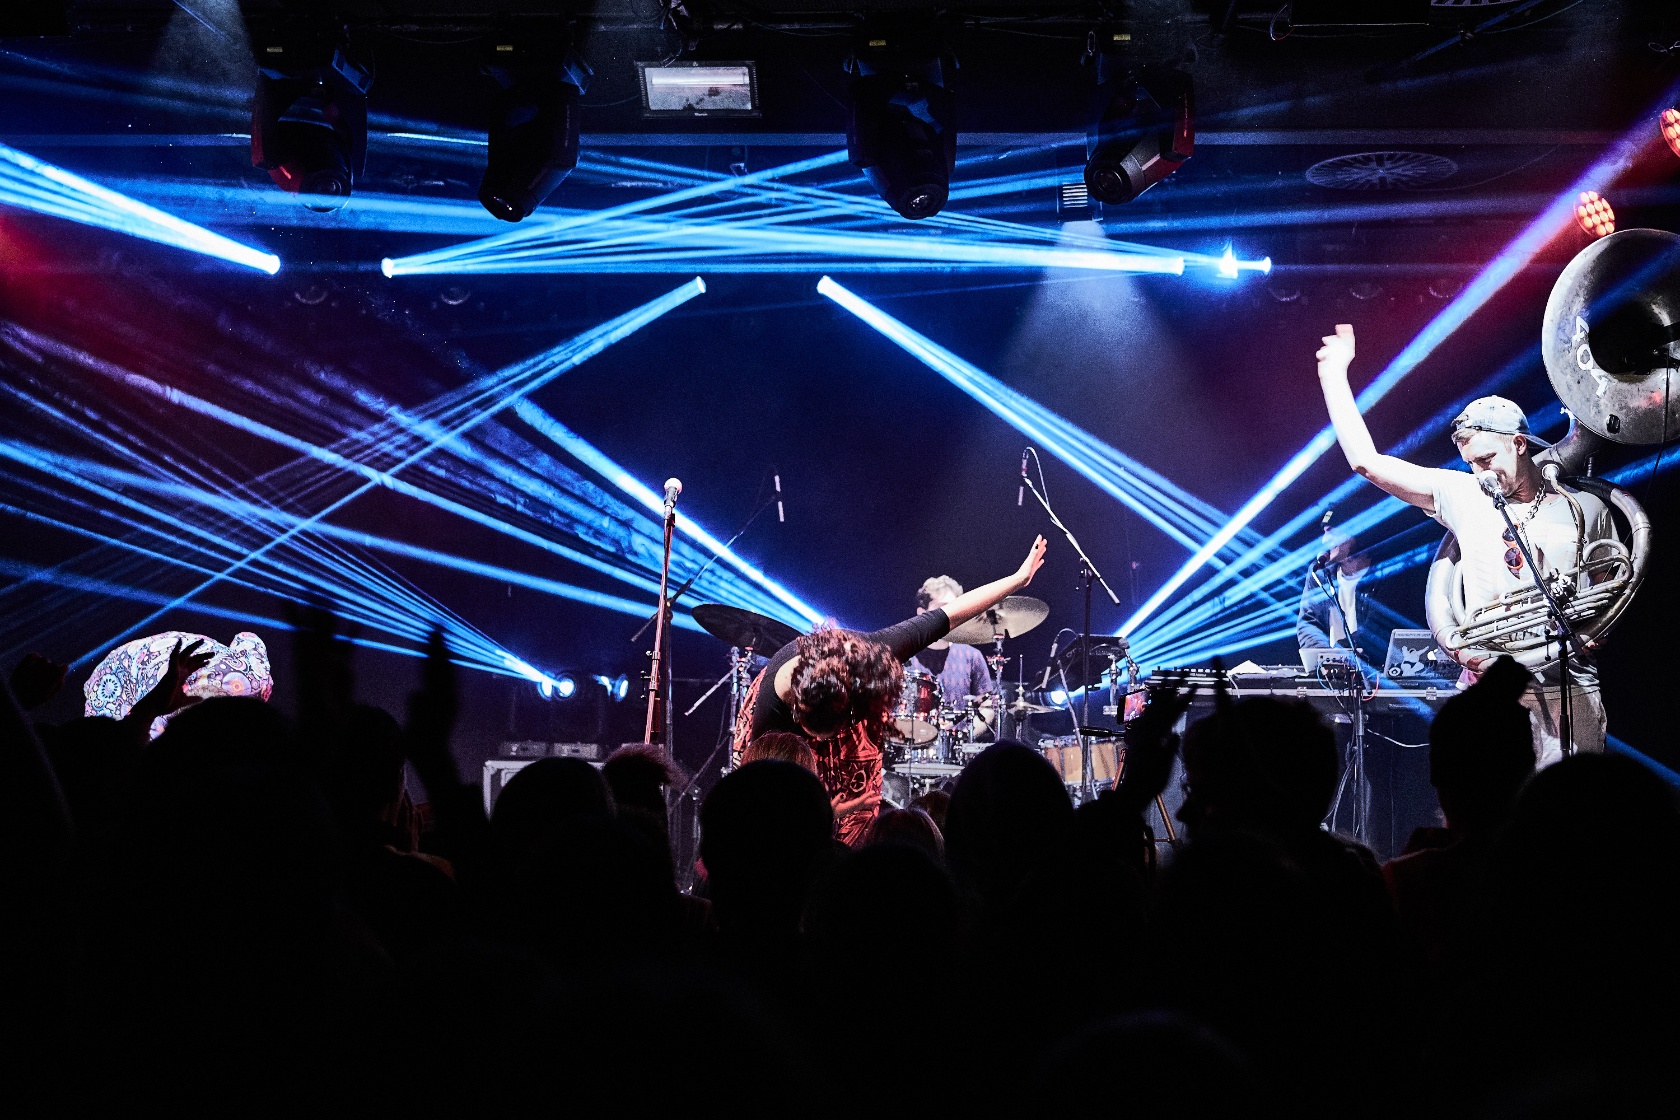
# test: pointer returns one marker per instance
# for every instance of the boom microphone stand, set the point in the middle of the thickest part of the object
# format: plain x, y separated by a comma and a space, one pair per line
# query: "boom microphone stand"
1354, 775
1087, 572
775, 499
656, 732
1568, 640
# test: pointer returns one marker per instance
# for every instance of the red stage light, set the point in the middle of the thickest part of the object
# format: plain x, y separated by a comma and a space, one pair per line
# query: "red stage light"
1671, 129
1593, 215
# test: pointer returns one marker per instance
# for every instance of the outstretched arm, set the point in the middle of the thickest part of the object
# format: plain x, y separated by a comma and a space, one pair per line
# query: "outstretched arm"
971, 603
1409, 482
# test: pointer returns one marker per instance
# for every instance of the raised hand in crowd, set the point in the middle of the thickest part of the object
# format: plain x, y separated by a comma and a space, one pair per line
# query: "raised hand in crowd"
1151, 743
326, 681
169, 695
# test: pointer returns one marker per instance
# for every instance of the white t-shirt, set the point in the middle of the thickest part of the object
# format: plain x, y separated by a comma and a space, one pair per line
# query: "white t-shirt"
1347, 597
1462, 507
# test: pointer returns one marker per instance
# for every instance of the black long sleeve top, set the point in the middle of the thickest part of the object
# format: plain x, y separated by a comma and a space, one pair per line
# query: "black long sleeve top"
905, 639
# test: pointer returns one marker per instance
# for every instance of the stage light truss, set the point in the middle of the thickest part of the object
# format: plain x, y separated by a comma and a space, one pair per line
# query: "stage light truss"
31, 184
195, 519
766, 224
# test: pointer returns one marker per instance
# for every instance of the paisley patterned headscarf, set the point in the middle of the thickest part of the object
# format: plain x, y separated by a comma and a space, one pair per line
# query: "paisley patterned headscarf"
132, 669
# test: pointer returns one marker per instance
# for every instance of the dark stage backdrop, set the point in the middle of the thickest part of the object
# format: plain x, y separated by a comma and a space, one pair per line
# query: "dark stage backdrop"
890, 474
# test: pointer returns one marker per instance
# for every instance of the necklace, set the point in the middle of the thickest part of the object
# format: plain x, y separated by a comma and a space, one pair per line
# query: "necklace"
1534, 507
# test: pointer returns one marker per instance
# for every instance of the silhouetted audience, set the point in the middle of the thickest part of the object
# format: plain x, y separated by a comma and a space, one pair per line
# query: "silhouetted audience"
912, 827
1481, 751
236, 916
1273, 931
935, 803
784, 746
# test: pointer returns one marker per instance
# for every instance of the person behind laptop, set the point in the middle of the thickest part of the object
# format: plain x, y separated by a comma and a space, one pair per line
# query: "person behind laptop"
1333, 604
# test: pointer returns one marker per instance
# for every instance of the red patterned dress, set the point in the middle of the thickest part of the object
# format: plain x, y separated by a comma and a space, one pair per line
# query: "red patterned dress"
848, 764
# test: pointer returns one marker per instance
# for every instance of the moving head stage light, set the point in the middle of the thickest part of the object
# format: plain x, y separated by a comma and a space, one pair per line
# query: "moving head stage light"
901, 121
309, 115
534, 135
1142, 129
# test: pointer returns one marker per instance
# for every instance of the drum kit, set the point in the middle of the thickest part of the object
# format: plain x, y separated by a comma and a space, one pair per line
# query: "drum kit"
934, 736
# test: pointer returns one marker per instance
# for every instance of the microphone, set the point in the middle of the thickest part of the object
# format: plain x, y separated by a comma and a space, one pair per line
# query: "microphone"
673, 487
1051, 664
1323, 561
779, 515
1021, 491
1489, 482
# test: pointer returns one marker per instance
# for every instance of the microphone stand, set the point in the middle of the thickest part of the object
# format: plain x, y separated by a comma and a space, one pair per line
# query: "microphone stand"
657, 730
1567, 638
1087, 572
1355, 772
704, 568
667, 602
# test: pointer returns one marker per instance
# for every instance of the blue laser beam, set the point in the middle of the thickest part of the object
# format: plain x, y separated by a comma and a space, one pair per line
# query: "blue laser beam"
586, 453
1177, 513
563, 358
671, 241
475, 649
767, 224
102, 479
32, 184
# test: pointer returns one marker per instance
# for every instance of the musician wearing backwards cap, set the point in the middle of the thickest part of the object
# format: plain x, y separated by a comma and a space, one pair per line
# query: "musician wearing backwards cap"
1493, 437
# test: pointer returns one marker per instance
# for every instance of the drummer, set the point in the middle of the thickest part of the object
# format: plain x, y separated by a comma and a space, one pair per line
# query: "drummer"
961, 669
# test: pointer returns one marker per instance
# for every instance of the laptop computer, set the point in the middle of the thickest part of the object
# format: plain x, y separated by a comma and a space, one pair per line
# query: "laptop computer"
1414, 656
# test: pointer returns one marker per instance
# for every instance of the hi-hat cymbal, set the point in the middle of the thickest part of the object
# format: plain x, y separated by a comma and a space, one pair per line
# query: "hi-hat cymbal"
1011, 618
740, 627
1021, 706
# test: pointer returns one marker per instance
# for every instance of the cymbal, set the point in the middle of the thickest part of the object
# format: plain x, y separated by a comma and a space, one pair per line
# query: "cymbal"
1021, 706
1011, 618
740, 627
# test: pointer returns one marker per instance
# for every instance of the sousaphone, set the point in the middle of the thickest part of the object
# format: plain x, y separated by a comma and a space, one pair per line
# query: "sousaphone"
1611, 344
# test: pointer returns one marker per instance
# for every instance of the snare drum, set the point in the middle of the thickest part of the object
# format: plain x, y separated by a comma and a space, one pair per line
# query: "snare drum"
1063, 753
916, 718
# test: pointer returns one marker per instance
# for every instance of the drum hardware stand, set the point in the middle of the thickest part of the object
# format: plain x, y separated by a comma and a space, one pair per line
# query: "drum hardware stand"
1353, 776
1567, 638
739, 679
739, 671
1087, 781
1089, 574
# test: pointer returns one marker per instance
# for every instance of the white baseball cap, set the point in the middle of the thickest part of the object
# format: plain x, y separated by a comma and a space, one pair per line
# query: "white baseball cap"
1496, 415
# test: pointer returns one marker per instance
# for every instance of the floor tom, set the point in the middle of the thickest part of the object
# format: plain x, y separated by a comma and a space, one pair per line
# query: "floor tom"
1063, 753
